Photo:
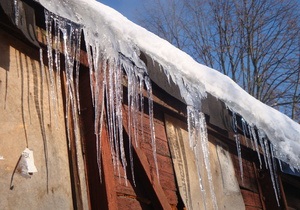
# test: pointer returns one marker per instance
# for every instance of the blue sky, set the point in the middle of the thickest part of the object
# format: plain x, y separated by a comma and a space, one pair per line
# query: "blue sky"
126, 7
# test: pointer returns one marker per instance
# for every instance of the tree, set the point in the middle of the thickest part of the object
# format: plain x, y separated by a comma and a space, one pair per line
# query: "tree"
255, 42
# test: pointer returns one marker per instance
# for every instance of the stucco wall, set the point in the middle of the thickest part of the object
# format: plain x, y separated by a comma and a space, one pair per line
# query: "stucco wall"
29, 119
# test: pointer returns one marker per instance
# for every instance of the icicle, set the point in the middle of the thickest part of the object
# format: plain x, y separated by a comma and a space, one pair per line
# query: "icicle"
271, 170
110, 107
17, 11
238, 144
151, 118
239, 152
251, 137
199, 143
141, 86
53, 95
204, 143
253, 134
280, 165
119, 114
275, 169
57, 49
98, 132
261, 136
77, 37
245, 131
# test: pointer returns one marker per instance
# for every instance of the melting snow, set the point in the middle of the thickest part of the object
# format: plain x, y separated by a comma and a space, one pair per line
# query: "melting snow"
113, 43
112, 33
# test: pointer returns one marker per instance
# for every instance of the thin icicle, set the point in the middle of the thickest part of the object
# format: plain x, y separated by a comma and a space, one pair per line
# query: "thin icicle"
251, 137
151, 119
99, 141
238, 145
48, 21
141, 86
205, 150
119, 113
77, 37
239, 152
261, 136
107, 74
280, 165
253, 134
275, 169
271, 170
57, 48
245, 131
17, 11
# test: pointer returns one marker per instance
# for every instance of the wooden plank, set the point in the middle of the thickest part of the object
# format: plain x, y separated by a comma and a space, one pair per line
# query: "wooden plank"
259, 188
108, 170
129, 203
164, 164
249, 179
150, 173
172, 197
73, 150
251, 199
162, 147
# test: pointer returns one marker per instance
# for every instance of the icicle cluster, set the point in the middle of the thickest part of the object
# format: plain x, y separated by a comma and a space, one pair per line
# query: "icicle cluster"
262, 146
64, 37
198, 140
106, 76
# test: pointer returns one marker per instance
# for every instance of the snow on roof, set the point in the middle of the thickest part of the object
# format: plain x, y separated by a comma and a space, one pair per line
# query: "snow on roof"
115, 34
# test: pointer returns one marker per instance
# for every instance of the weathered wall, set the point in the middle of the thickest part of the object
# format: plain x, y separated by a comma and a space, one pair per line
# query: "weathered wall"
29, 119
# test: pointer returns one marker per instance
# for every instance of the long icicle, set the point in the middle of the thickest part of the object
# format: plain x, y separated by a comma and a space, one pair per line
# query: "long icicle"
238, 145
205, 150
253, 133
271, 170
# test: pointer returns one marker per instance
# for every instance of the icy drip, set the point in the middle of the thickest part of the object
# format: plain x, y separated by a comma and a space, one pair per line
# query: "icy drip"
49, 17
17, 12
114, 98
245, 131
198, 140
141, 90
106, 76
261, 137
251, 138
151, 118
271, 170
238, 144
57, 48
275, 168
194, 146
96, 79
136, 79
131, 110
71, 36
254, 138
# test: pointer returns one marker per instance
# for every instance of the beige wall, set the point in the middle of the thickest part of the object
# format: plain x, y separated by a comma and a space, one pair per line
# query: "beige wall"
25, 111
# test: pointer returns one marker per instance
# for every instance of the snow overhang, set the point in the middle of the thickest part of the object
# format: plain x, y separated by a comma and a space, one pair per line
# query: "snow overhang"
177, 72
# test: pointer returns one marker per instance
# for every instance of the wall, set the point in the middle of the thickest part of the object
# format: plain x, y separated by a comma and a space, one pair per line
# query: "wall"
28, 118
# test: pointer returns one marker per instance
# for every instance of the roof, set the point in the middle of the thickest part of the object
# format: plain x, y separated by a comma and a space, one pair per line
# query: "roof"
183, 78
